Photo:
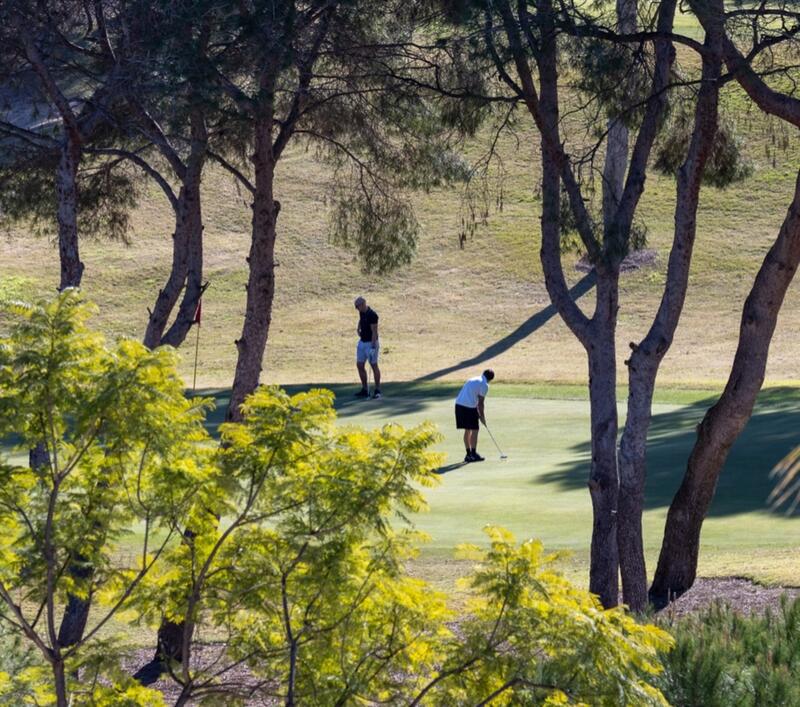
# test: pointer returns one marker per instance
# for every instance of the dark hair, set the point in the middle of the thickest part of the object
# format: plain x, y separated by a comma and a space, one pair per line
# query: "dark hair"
488, 374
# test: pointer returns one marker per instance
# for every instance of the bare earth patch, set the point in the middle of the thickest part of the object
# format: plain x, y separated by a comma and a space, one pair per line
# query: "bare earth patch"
742, 595
644, 258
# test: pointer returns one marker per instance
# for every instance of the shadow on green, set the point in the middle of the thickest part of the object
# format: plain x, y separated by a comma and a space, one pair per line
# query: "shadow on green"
744, 484
399, 399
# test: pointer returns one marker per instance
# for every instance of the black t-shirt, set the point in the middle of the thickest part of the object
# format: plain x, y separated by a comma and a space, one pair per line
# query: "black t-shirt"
365, 321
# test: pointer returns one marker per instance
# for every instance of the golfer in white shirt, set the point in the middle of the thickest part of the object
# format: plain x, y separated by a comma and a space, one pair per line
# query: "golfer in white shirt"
470, 411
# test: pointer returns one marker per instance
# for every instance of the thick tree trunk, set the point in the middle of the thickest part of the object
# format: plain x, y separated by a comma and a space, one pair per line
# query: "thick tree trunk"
647, 355
261, 281
66, 181
722, 424
632, 475
597, 335
603, 475
76, 612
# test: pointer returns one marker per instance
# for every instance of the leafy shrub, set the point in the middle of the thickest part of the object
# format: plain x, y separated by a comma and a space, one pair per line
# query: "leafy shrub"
727, 164
723, 658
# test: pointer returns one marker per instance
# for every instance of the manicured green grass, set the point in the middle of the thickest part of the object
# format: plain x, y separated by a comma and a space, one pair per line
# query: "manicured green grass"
540, 491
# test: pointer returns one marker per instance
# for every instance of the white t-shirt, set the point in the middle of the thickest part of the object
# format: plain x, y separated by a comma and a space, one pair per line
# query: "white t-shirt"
468, 397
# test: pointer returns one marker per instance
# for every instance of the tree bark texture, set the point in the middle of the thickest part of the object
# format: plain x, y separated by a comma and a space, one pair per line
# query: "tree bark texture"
603, 473
60, 682
646, 356
617, 143
66, 176
261, 281
722, 424
76, 612
66, 183
168, 295
597, 335
186, 274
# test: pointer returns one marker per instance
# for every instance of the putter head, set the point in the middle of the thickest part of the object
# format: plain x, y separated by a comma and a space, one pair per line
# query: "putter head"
503, 457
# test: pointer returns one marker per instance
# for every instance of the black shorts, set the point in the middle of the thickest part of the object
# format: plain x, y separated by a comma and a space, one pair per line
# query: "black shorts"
466, 418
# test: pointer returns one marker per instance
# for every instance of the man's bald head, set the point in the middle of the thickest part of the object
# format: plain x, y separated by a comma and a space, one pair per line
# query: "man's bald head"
361, 304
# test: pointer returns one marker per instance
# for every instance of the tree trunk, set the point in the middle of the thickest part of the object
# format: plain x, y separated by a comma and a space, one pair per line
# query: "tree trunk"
261, 281
187, 246
60, 682
66, 180
169, 647
173, 637
632, 475
177, 332
168, 295
76, 612
603, 475
722, 424
646, 357
617, 145
185, 276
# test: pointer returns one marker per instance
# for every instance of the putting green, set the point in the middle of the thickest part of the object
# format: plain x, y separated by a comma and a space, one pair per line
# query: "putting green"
540, 491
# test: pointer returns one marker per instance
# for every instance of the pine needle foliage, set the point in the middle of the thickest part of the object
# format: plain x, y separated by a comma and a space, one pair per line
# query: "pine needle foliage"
722, 657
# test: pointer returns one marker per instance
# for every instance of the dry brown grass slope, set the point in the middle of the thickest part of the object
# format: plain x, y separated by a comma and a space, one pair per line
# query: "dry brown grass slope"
451, 304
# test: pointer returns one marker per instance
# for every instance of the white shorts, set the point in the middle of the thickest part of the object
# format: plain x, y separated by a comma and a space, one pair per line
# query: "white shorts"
365, 352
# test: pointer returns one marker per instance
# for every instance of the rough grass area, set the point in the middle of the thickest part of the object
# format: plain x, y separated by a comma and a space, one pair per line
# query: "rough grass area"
452, 308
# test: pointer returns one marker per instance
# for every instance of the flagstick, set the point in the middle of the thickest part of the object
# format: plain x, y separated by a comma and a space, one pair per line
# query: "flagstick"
196, 349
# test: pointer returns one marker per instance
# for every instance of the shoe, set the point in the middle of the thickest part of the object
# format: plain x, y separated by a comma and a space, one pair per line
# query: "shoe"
468, 458
377, 395
363, 393
477, 457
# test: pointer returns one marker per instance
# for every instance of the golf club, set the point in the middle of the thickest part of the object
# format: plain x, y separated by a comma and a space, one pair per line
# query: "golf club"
502, 456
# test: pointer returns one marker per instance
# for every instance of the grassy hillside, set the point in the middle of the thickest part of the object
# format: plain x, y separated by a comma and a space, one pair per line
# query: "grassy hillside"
453, 308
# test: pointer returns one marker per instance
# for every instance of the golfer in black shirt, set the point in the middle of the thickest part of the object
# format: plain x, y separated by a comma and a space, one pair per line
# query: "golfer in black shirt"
368, 348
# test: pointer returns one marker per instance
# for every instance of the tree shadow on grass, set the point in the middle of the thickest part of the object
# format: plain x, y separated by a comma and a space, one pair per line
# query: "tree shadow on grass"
398, 399
450, 467
744, 483
528, 327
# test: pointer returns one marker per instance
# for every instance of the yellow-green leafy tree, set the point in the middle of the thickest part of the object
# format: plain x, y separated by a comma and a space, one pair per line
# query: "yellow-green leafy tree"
304, 578
279, 554
123, 453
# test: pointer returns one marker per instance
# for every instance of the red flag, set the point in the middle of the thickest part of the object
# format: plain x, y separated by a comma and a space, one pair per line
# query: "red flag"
198, 311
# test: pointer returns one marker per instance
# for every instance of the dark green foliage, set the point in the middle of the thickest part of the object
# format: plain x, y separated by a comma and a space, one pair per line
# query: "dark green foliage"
571, 241
722, 658
617, 76
726, 165
381, 230
106, 196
